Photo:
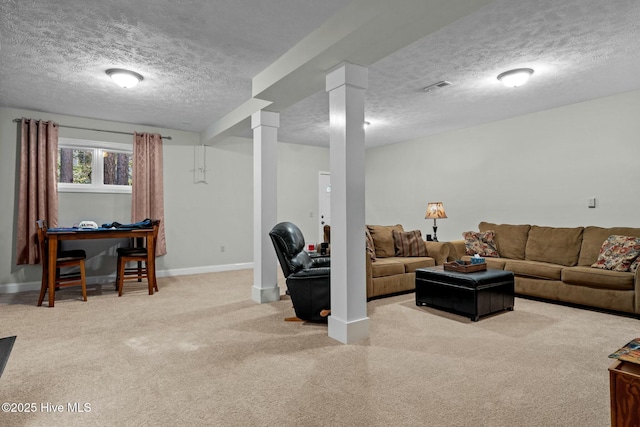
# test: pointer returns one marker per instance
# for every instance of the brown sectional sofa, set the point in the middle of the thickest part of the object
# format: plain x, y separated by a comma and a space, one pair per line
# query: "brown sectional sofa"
390, 274
555, 263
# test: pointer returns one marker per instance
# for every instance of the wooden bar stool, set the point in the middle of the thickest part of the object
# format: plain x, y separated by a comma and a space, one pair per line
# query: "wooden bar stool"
64, 259
141, 270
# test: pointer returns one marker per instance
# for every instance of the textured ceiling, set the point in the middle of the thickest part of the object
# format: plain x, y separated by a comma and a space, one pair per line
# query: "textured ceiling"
579, 49
198, 58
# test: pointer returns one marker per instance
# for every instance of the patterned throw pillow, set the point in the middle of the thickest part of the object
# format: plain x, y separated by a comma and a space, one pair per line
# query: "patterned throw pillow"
618, 253
371, 249
409, 243
481, 243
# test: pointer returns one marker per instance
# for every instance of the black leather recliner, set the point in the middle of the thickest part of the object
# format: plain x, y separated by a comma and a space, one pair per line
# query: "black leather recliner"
308, 279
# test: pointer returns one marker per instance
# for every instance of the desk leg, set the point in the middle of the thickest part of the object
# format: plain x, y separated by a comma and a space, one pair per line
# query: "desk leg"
52, 257
151, 263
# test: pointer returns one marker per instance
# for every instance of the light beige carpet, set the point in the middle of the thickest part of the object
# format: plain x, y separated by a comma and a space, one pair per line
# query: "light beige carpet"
200, 352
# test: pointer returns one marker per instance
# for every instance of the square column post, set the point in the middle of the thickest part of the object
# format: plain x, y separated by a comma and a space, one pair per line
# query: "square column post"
265, 164
348, 322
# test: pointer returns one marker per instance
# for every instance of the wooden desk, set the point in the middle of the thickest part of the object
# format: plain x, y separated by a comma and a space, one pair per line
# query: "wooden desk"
56, 234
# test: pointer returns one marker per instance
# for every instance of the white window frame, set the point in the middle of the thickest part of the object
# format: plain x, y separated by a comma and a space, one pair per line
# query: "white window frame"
97, 165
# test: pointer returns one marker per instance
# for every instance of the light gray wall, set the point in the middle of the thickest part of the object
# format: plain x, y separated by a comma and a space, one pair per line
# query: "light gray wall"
539, 169
298, 173
199, 218
225, 204
74, 207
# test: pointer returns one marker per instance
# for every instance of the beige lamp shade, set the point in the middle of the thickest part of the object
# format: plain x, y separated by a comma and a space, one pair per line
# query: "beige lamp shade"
435, 210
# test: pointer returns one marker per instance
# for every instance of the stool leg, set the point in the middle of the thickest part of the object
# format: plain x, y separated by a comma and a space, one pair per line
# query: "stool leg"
83, 279
44, 285
149, 281
117, 273
121, 265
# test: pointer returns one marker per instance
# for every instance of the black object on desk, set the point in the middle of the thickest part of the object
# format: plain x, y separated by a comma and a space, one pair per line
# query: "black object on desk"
324, 248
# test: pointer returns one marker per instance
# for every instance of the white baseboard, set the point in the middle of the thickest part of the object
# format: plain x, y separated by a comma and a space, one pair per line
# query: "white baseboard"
203, 270
12, 288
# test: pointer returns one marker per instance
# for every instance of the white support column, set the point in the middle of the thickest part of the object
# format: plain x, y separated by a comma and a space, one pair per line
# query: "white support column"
348, 322
265, 158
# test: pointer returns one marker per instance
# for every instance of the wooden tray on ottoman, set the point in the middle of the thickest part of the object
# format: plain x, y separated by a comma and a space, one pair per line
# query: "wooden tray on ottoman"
466, 268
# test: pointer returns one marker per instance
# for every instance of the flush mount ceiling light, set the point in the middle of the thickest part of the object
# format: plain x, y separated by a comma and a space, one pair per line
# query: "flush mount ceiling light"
124, 78
515, 78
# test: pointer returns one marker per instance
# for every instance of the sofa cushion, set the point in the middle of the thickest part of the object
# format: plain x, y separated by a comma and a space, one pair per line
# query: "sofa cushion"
409, 243
555, 245
389, 266
413, 263
383, 239
511, 240
540, 270
371, 249
598, 278
618, 253
481, 243
593, 237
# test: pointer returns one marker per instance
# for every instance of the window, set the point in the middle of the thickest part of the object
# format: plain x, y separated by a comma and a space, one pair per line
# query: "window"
94, 166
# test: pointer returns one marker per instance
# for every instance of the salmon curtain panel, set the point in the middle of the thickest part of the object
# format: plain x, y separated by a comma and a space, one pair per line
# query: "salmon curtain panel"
148, 189
38, 187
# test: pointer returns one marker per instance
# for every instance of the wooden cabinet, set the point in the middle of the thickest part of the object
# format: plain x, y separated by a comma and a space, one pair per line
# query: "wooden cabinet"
624, 378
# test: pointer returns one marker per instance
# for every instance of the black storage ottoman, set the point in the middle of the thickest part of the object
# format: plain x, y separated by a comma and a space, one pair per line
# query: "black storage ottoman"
470, 294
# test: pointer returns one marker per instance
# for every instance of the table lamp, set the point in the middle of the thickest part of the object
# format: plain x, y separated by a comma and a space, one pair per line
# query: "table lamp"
436, 211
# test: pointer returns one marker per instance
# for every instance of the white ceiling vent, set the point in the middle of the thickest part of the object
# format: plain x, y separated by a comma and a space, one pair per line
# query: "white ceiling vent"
438, 85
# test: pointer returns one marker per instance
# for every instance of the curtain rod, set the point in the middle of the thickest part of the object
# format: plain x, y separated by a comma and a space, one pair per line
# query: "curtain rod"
96, 130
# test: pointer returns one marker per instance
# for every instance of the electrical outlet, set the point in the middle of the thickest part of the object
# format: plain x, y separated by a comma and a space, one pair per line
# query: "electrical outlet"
311, 214
221, 248
591, 202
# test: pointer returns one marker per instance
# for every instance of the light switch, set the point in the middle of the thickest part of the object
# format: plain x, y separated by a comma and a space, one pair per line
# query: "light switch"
591, 202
